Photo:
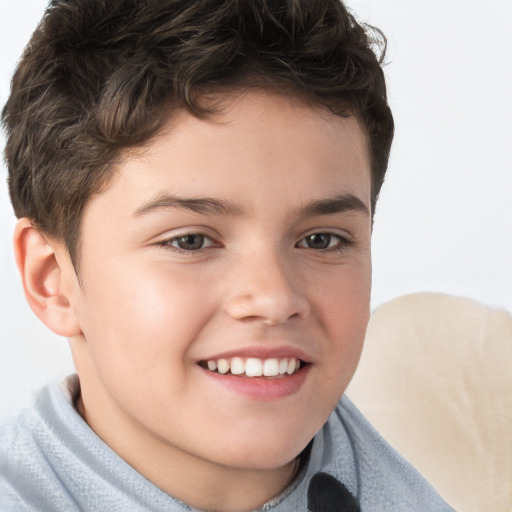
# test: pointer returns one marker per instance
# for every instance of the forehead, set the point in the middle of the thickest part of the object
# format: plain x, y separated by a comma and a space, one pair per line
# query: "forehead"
256, 146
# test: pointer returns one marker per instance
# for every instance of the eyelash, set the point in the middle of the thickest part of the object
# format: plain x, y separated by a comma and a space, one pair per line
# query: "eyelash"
168, 243
342, 245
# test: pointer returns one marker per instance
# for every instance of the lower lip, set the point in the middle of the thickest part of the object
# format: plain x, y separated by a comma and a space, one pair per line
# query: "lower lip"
262, 388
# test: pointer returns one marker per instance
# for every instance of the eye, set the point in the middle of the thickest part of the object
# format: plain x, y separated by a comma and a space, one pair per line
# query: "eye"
189, 242
323, 241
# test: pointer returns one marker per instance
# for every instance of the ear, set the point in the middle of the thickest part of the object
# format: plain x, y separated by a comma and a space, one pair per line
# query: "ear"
49, 278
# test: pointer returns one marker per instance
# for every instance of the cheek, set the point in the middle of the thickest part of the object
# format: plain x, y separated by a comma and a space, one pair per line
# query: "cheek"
142, 315
345, 300
343, 311
139, 328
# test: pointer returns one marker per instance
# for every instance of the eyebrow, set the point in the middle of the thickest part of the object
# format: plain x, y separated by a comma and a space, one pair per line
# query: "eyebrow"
209, 206
332, 205
204, 205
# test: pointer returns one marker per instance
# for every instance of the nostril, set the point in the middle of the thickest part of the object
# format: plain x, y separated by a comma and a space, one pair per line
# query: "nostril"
273, 302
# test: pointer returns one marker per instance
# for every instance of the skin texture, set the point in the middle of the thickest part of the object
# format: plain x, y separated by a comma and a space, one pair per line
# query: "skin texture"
145, 312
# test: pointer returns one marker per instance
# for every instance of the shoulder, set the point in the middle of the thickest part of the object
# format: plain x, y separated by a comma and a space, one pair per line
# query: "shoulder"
383, 478
27, 475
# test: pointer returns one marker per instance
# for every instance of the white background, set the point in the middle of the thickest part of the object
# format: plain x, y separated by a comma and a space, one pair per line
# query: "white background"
444, 221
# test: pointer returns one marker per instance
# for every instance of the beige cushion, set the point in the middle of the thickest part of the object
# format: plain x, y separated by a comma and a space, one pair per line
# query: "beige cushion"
435, 379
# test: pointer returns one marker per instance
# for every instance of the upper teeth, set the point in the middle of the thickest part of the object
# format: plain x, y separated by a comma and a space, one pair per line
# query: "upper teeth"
254, 367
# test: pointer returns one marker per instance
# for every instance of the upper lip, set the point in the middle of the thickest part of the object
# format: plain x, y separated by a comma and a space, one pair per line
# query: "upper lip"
260, 352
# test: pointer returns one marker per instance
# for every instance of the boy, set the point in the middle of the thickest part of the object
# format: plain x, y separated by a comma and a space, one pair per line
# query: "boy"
195, 182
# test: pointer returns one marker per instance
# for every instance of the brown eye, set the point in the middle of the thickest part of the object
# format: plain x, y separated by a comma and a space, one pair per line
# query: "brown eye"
318, 241
191, 242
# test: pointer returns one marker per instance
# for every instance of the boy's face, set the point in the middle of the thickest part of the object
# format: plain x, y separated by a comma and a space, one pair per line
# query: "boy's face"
246, 236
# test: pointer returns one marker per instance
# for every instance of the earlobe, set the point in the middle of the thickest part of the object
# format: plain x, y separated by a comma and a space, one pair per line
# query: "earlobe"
48, 278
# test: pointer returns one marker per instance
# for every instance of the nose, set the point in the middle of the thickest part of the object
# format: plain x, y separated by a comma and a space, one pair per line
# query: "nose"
268, 290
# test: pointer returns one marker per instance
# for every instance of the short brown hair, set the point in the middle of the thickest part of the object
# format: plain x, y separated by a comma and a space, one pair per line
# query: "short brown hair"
99, 76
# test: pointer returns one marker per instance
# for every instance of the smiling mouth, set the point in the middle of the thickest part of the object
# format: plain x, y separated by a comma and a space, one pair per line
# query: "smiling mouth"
254, 367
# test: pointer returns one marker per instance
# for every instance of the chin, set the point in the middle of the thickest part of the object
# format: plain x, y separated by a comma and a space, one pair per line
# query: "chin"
264, 455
